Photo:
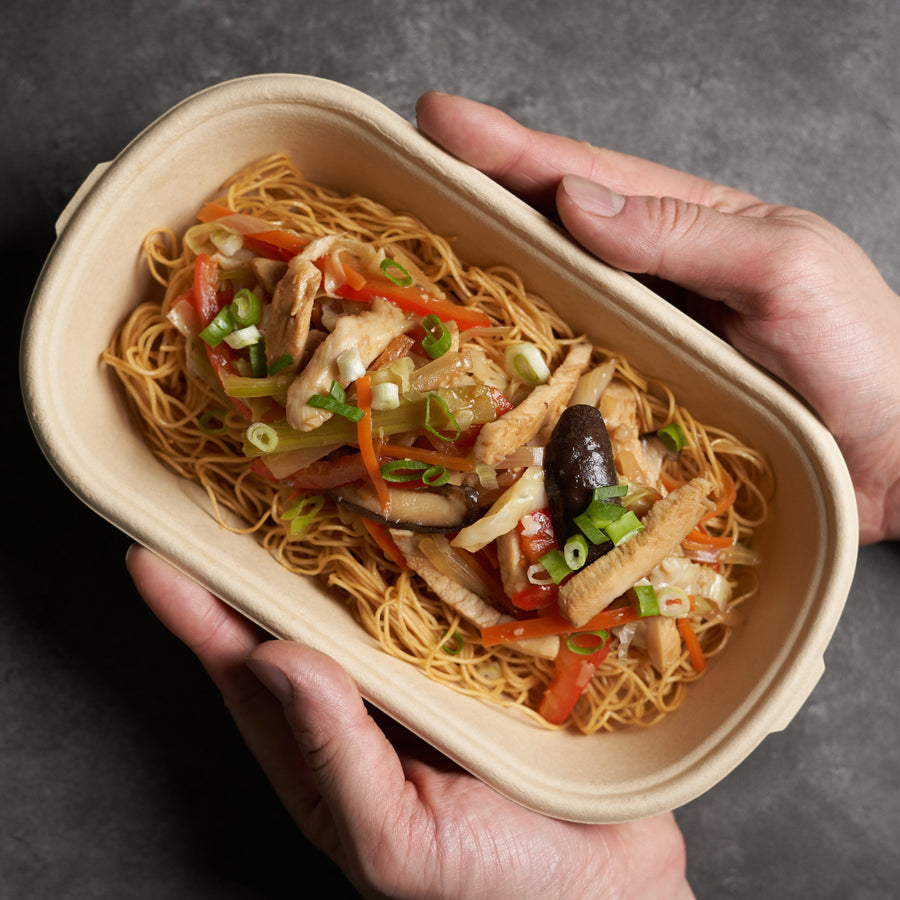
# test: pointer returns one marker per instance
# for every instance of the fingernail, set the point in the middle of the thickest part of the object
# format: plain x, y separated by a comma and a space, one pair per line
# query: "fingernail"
593, 198
272, 678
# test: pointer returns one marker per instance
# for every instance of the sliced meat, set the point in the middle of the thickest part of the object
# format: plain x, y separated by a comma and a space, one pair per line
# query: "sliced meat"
667, 524
469, 605
543, 405
663, 642
619, 408
513, 563
287, 326
369, 332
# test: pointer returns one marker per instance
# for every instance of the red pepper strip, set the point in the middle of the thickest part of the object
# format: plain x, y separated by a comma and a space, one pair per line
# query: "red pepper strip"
536, 596
278, 245
367, 442
261, 469
415, 300
207, 302
206, 280
689, 636
540, 538
571, 674
553, 623
380, 535
328, 473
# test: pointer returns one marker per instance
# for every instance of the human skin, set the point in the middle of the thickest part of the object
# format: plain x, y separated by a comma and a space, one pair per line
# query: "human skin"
399, 819
782, 285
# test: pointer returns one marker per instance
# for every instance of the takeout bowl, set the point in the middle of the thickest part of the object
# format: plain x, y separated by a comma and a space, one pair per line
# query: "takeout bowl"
348, 141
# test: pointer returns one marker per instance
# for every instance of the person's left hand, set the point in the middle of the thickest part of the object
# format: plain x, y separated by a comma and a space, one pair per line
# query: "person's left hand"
397, 817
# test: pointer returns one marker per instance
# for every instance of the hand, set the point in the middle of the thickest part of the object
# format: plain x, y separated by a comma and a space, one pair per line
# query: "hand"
782, 285
397, 817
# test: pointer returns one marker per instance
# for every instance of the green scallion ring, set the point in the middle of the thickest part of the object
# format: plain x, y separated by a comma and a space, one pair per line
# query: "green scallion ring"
388, 266
245, 308
575, 551
400, 470
263, 437
573, 644
437, 338
212, 422
555, 563
673, 436
429, 425
457, 646
219, 328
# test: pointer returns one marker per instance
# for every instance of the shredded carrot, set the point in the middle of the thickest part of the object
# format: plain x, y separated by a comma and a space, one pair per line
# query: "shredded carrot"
692, 643
728, 497
702, 538
380, 535
433, 457
553, 624
366, 440
211, 211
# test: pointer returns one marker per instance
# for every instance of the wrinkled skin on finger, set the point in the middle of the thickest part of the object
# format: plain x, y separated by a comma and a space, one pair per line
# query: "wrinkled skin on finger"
400, 820
784, 286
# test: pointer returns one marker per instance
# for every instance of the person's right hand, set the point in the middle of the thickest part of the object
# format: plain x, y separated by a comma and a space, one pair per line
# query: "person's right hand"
785, 287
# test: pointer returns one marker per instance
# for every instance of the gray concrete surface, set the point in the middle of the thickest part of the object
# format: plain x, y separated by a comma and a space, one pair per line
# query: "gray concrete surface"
120, 773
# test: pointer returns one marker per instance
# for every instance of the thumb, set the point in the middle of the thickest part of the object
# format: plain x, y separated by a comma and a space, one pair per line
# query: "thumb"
711, 253
355, 768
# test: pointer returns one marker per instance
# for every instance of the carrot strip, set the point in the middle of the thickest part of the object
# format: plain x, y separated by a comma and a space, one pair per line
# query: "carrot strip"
553, 624
380, 535
433, 457
701, 538
211, 211
396, 349
727, 499
692, 643
367, 442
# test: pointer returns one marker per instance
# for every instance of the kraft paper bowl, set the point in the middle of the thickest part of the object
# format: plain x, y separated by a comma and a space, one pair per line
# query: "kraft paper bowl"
346, 140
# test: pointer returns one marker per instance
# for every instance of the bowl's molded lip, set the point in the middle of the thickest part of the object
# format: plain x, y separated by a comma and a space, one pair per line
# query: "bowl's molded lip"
838, 535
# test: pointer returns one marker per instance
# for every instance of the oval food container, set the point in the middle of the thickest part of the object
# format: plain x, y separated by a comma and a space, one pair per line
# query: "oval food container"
346, 140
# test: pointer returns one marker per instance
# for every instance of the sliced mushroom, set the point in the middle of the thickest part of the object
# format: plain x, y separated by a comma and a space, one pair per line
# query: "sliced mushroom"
577, 459
436, 510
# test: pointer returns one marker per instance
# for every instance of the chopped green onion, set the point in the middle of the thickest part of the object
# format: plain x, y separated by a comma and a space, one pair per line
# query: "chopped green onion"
262, 436
607, 491
437, 338
487, 475
281, 363
525, 361
603, 514
334, 402
436, 476
625, 527
385, 395
256, 353
673, 601
219, 328
389, 266
647, 603
400, 470
350, 365
243, 337
555, 563
302, 513
429, 424
212, 422
673, 436
573, 642
575, 551
456, 647
245, 308
590, 530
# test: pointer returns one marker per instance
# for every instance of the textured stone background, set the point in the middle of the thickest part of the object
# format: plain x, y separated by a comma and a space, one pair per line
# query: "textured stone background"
120, 773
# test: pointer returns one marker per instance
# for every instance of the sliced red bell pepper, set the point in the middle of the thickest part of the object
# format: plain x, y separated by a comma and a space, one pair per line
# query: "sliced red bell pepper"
572, 672
415, 300
536, 596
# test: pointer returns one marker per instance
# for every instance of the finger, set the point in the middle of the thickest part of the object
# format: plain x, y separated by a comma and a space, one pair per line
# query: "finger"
355, 768
725, 257
531, 163
222, 639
